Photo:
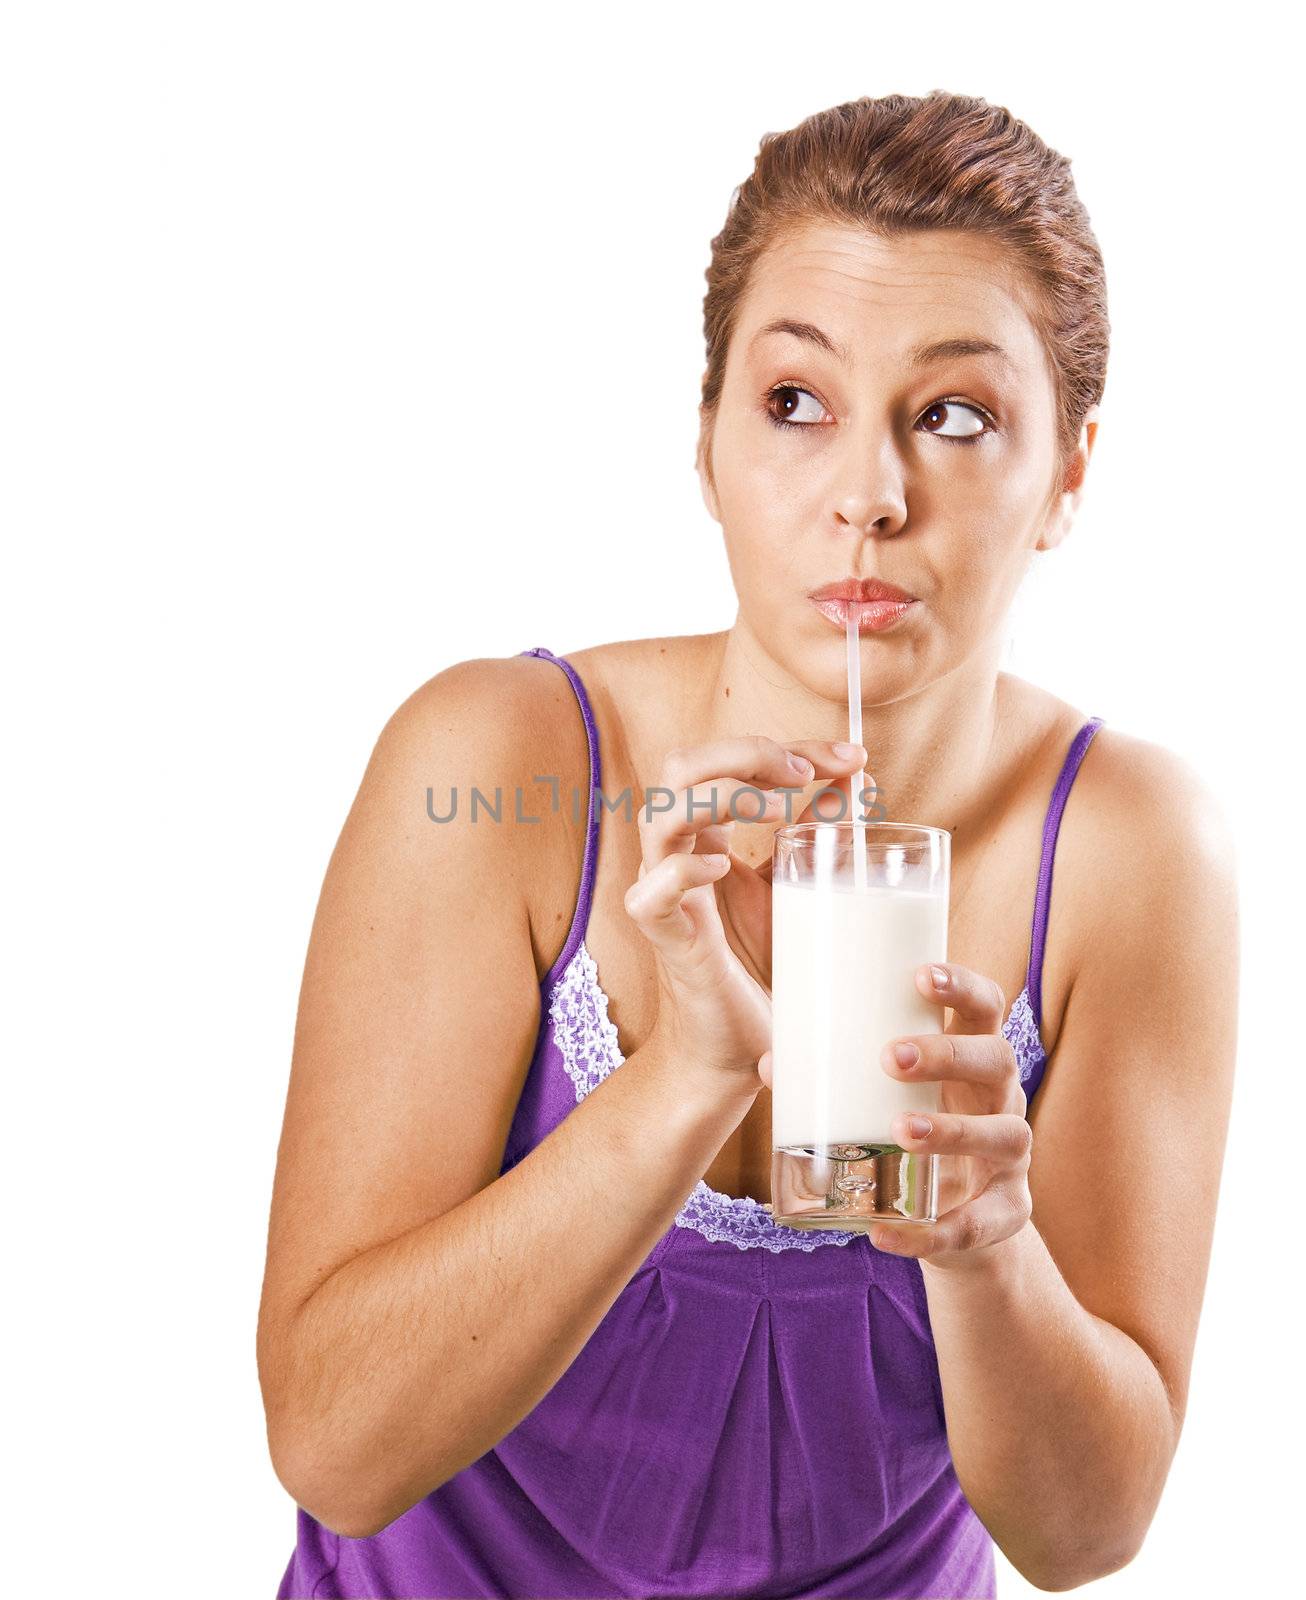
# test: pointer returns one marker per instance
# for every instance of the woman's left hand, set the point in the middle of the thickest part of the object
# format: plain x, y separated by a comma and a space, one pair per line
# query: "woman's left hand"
983, 1185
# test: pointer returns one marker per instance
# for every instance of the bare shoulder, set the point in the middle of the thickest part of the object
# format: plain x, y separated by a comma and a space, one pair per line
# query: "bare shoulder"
512, 729
502, 727
492, 714
1146, 890
1150, 782
489, 744
1143, 843
1140, 817
1137, 813
518, 704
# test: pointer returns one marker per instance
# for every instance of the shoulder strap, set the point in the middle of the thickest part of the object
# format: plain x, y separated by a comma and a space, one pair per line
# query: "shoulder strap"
580, 917
1043, 894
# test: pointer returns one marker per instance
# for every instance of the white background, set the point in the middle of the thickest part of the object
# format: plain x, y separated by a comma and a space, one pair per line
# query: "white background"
344, 343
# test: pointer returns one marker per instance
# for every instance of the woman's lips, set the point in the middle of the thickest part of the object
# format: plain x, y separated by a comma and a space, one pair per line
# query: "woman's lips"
876, 615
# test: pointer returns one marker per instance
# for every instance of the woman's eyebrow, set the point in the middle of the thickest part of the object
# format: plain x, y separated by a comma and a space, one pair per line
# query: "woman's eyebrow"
804, 330
922, 355
953, 349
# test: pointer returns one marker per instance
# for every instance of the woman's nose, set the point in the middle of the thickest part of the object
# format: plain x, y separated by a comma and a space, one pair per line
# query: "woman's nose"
868, 495
859, 514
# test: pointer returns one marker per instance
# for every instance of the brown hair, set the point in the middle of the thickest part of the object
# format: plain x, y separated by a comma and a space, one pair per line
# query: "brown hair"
901, 164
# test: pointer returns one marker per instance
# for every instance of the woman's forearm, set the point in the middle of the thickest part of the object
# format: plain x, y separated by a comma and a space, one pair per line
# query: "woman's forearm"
1060, 1426
416, 1357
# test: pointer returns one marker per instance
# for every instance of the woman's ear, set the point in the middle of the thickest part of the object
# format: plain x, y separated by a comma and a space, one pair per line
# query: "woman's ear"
1087, 437
1065, 503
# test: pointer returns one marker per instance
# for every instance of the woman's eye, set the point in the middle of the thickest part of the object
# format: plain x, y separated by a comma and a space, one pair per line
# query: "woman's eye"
967, 414
784, 406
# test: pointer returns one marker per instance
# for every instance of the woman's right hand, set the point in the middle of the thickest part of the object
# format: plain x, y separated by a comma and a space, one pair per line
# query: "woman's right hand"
711, 1009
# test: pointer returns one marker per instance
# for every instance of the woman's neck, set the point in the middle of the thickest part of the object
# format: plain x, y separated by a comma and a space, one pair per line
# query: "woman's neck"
932, 754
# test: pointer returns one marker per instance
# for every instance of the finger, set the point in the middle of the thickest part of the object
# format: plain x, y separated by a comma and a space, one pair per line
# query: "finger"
716, 839
1003, 1138
653, 901
709, 808
831, 758
853, 797
752, 758
670, 811
984, 1059
994, 1214
761, 762
978, 1003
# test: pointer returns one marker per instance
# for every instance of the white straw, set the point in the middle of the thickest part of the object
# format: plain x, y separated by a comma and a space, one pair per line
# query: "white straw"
858, 780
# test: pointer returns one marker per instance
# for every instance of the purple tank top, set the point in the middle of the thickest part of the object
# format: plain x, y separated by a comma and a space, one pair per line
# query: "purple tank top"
758, 1414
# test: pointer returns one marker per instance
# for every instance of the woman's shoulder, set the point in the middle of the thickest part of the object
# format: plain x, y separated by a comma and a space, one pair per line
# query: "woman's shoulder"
515, 720
1129, 790
494, 713
1146, 813
1141, 840
1120, 775
1137, 809
492, 740
500, 742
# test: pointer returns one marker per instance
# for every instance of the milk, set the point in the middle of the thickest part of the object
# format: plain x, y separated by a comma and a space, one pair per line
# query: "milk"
843, 960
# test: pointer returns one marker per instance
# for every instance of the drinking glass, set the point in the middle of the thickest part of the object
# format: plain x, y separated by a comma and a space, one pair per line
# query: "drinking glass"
856, 908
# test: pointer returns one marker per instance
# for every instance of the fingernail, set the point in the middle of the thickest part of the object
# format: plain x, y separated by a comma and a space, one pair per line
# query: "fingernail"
885, 1241
802, 766
844, 750
940, 977
906, 1055
919, 1127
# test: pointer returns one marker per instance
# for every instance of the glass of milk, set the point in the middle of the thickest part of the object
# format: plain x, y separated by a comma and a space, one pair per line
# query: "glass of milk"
856, 907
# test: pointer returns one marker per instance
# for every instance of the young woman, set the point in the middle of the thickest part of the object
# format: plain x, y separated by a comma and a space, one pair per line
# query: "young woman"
528, 1328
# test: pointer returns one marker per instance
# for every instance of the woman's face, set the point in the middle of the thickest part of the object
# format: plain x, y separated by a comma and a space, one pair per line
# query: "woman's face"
935, 472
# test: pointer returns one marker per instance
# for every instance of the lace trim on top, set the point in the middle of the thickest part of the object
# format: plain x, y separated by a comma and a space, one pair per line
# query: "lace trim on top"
587, 1039
586, 1035
1022, 1035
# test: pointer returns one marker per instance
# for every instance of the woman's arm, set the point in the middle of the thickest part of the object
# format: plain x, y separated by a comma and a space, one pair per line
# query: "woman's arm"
416, 1304
1065, 1349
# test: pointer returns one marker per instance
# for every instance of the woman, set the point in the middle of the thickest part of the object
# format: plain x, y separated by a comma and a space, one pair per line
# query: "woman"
527, 1325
